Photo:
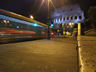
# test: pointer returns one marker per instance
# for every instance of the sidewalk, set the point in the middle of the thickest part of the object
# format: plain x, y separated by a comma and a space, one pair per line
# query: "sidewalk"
55, 55
88, 53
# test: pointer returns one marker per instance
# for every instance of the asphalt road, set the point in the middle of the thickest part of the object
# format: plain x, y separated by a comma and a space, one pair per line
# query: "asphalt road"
56, 55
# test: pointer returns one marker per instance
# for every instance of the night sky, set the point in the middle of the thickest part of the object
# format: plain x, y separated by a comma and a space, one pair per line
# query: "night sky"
27, 7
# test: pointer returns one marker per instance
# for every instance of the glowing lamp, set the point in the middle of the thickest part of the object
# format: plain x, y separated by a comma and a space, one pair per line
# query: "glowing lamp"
17, 26
52, 25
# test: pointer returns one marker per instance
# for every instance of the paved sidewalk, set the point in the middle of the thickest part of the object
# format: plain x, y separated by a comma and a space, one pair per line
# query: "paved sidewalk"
56, 55
88, 53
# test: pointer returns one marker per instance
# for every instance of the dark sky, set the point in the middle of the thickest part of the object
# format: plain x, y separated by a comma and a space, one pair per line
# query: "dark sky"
27, 7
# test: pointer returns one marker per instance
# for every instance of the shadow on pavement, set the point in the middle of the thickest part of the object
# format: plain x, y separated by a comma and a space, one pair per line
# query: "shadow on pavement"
16, 40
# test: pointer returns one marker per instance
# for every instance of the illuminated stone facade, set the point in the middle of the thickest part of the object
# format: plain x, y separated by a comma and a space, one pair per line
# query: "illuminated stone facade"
66, 18
68, 14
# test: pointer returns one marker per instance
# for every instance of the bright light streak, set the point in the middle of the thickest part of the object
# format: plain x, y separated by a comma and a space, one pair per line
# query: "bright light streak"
52, 4
49, 1
35, 24
41, 4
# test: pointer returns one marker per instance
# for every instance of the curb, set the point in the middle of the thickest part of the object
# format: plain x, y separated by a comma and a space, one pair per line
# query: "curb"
80, 64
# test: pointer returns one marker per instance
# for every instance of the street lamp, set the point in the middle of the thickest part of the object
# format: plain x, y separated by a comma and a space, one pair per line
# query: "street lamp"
31, 17
49, 1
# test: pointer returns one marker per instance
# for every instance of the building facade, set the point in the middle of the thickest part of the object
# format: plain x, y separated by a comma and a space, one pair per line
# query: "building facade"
65, 18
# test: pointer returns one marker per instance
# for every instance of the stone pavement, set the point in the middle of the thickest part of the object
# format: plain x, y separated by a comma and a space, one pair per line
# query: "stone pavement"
56, 55
88, 53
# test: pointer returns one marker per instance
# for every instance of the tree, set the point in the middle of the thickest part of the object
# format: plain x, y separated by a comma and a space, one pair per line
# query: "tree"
92, 16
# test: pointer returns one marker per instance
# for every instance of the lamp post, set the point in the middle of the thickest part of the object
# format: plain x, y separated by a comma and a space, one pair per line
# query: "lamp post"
49, 1
48, 19
79, 31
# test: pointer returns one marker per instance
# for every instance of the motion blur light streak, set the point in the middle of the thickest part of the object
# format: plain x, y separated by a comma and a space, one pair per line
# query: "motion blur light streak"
35, 24
16, 20
17, 31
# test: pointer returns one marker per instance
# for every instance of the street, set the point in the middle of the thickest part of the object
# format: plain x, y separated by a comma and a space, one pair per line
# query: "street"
55, 55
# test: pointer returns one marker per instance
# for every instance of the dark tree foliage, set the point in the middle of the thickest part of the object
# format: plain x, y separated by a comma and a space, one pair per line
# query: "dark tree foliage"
87, 25
92, 16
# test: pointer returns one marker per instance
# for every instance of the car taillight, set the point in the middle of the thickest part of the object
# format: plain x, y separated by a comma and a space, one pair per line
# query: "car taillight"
52, 33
